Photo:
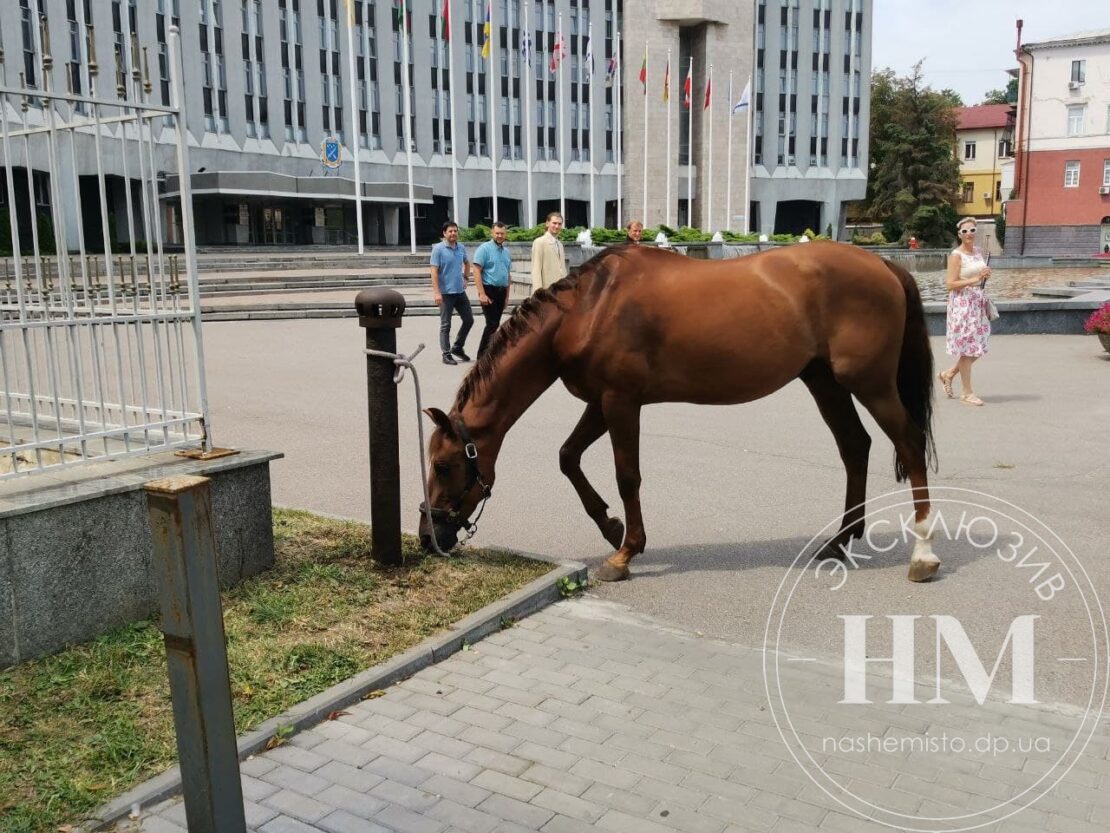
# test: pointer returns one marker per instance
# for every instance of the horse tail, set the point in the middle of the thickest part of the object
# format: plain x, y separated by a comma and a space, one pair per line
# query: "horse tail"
915, 368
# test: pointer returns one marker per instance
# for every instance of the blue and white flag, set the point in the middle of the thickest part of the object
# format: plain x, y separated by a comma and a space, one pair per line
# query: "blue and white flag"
526, 48
745, 99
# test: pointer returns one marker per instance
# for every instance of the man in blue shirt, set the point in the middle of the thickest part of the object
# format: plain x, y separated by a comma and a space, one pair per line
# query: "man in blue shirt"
492, 265
450, 272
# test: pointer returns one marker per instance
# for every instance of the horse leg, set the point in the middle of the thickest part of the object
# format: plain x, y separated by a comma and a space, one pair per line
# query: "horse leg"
852, 441
623, 420
909, 445
589, 428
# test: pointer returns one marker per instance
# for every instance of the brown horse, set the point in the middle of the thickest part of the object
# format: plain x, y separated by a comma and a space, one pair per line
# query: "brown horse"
637, 325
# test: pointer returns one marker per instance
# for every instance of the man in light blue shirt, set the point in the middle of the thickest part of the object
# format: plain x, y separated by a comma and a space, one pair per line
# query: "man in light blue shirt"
450, 271
492, 266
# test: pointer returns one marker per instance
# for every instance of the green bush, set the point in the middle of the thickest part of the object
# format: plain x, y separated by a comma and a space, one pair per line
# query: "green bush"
999, 229
893, 228
607, 236
876, 239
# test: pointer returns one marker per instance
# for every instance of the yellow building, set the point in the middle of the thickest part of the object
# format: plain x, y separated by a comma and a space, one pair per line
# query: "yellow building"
984, 138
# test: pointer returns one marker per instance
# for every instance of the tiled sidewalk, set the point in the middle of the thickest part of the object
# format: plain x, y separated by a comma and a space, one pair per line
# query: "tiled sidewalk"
585, 717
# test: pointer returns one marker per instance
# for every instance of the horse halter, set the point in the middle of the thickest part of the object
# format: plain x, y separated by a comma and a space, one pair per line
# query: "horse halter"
473, 476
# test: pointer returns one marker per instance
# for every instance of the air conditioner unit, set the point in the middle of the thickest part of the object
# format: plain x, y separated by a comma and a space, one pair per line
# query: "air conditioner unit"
1074, 85
789, 160
1104, 190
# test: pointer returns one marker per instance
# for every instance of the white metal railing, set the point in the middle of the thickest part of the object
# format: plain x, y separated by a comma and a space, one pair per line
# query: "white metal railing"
101, 352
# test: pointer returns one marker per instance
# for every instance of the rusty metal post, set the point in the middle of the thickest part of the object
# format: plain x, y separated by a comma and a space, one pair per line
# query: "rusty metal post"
380, 312
192, 622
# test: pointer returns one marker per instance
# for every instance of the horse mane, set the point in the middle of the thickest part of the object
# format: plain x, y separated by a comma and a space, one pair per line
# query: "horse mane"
528, 315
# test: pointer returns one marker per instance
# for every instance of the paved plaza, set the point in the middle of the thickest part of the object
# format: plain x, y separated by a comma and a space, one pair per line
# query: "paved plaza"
642, 706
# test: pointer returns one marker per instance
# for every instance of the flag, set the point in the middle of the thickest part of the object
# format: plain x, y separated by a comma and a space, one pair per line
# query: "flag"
708, 92
445, 21
589, 68
610, 71
486, 30
558, 52
350, 13
643, 72
398, 5
745, 99
686, 85
667, 82
526, 48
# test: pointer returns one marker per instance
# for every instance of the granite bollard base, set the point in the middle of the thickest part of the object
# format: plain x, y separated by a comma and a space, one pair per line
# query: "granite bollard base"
75, 545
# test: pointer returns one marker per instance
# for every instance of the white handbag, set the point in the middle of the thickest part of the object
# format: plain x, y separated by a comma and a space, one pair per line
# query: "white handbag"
991, 310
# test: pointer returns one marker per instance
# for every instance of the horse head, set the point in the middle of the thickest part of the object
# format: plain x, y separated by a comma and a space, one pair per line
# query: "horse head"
456, 483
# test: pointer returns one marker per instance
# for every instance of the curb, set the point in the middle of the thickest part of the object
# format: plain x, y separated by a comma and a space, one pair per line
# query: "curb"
524, 602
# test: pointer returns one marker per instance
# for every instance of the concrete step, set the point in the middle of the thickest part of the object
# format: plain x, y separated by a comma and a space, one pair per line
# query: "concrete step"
324, 309
260, 287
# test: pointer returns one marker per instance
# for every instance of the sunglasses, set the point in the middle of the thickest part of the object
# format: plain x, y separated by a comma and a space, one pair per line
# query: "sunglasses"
971, 230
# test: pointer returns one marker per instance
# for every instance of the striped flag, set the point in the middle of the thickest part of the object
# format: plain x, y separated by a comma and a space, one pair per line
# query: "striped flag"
686, 85
708, 92
558, 52
610, 71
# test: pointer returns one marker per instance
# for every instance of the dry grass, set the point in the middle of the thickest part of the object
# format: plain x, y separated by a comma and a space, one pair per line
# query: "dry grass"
82, 726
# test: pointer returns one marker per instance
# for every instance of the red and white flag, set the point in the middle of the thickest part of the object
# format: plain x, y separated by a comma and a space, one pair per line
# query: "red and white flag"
708, 92
686, 85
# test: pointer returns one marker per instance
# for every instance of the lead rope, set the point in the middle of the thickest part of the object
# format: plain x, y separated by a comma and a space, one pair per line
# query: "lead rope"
402, 362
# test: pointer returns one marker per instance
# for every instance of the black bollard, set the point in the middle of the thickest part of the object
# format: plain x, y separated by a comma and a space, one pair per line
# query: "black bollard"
380, 311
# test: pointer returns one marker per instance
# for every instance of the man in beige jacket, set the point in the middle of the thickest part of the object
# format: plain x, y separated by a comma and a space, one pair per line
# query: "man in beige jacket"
549, 262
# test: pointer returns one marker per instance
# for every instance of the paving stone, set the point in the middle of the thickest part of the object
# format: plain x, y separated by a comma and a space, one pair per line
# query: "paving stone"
489, 739
437, 723
569, 805
626, 802
406, 821
256, 815
512, 810
284, 824
617, 777
474, 716
451, 767
301, 759
394, 770
257, 766
461, 817
308, 739
346, 753
403, 795
685, 820
344, 798
294, 779
491, 759
377, 724
346, 775
290, 803
394, 749
465, 794
588, 749
256, 790
157, 824
499, 782
662, 791
563, 824
620, 822
558, 779
536, 734
343, 822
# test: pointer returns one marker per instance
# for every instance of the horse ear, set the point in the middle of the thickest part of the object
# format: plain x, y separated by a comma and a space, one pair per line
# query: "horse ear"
441, 420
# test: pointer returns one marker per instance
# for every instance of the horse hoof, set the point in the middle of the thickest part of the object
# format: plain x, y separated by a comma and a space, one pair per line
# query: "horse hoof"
830, 549
614, 532
610, 572
923, 570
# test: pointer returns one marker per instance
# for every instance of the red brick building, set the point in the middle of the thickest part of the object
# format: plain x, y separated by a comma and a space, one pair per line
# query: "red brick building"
1060, 197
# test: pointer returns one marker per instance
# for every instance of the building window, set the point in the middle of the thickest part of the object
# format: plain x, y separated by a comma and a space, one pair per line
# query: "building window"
1075, 119
969, 151
1005, 148
1106, 173
1071, 174
1079, 71
968, 194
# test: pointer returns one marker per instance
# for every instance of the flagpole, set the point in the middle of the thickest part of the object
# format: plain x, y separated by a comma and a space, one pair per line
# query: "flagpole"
529, 138
728, 176
708, 109
408, 120
354, 120
491, 75
590, 122
618, 88
748, 171
645, 132
451, 106
667, 106
690, 149
559, 96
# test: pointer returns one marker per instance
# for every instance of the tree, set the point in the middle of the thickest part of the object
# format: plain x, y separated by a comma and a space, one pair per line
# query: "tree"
913, 133
1006, 96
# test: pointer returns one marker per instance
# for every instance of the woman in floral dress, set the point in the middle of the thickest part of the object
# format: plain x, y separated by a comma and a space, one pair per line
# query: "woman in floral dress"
968, 328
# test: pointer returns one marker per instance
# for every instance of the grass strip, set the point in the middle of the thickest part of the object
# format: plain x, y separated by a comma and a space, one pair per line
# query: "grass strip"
84, 725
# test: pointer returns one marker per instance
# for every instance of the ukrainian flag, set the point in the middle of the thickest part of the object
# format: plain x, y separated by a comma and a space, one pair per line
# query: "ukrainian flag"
486, 30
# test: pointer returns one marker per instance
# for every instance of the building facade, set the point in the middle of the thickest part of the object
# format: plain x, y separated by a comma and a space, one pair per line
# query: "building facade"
267, 82
984, 142
1060, 201
812, 100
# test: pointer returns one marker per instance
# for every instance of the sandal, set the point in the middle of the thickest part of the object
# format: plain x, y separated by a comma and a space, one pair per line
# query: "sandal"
971, 399
946, 383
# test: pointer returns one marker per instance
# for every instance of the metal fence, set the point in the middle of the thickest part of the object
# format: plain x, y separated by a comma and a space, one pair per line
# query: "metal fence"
100, 351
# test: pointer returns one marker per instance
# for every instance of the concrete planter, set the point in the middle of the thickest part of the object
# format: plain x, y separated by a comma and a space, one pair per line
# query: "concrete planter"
1104, 339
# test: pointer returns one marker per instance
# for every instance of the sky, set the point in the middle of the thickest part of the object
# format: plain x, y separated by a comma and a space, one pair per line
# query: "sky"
969, 44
